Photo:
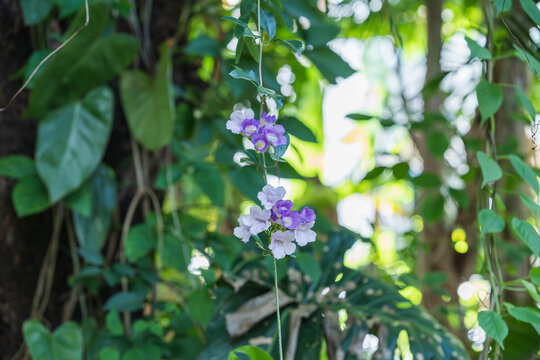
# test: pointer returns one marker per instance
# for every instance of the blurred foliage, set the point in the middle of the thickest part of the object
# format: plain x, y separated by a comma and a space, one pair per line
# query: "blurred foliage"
156, 271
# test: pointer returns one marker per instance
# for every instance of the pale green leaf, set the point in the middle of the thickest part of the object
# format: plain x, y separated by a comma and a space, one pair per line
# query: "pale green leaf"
526, 173
527, 234
490, 222
491, 171
490, 98
493, 325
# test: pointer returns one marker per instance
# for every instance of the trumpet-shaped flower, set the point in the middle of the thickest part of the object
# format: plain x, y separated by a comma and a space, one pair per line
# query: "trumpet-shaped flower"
282, 244
270, 195
237, 117
242, 232
304, 234
307, 215
257, 220
259, 141
283, 206
267, 119
290, 219
250, 126
275, 134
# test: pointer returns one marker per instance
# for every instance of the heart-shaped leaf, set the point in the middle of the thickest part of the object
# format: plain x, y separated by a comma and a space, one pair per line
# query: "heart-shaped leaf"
66, 343
493, 325
71, 142
491, 171
149, 103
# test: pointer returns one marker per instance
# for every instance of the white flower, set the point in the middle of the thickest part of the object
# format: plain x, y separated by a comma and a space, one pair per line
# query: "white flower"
237, 116
270, 195
242, 232
282, 244
257, 220
304, 234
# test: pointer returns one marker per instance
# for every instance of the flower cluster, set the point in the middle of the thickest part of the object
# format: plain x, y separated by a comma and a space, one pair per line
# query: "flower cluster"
262, 133
285, 224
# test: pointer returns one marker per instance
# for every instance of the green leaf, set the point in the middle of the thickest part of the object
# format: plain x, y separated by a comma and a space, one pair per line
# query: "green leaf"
526, 173
477, 51
66, 343
71, 142
491, 171
209, 179
149, 103
81, 199
173, 253
91, 255
309, 266
140, 240
268, 23
490, 98
432, 207
438, 143
527, 234
145, 352
499, 5
92, 230
125, 301
35, 11
296, 128
253, 352
531, 289
493, 325
249, 75
534, 275
280, 150
330, 64
88, 61
361, 117
203, 45
490, 222
30, 196
114, 324
109, 353
401, 170
68, 7
17, 166
530, 8
247, 181
201, 306
526, 314
295, 45
526, 103
427, 180
533, 206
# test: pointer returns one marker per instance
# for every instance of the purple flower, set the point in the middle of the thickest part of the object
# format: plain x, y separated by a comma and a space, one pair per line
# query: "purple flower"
270, 195
237, 117
274, 134
307, 215
282, 244
304, 234
250, 126
290, 220
242, 232
259, 141
267, 119
257, 220
283, 206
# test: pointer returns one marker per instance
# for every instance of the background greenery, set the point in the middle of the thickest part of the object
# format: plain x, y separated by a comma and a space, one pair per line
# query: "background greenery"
121, 186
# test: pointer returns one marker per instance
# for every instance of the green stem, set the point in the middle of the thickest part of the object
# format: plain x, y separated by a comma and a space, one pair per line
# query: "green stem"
276, 292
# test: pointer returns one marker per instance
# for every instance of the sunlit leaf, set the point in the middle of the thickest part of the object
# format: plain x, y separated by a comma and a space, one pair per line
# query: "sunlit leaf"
477, 51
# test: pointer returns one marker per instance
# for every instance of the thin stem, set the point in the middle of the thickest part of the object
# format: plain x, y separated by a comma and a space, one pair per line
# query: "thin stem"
276, 293
260, 42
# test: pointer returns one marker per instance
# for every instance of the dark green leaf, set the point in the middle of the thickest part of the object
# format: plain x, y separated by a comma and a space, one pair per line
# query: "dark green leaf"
309, 266
499, 5
490, 222
140, 240
437, 143
490, 98
526, 173
81, 199
201, 306
144, 352
91, 255
477, 51
247, 181
534, 275
526, 314
361, 117
249, 75
35, 11
526, 103
203, 45
432, 208
491, 171
530, 8
401, 170
109, 353
295, 45
493, 325
426, 180
66, 343
114, 324
17, 166
71, 142
527, 234
149, 103
173, 253
86, 62
30, 196
92, 230
209, 179
330, 64
296, 128
268, 23
124, 301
